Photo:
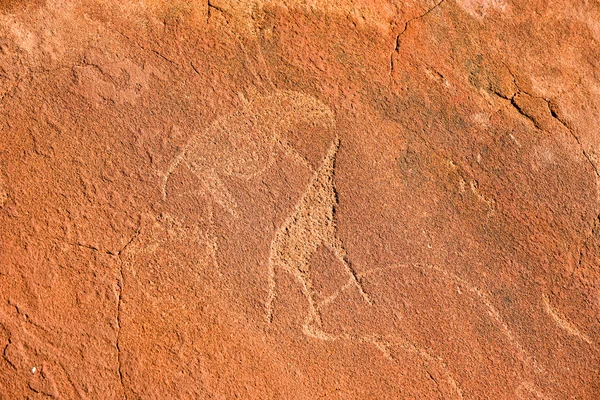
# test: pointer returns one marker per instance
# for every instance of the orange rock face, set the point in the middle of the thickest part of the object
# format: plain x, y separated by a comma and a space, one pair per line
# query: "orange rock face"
294, 199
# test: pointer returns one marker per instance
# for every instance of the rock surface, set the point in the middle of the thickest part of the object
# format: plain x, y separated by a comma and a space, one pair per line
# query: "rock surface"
296, 199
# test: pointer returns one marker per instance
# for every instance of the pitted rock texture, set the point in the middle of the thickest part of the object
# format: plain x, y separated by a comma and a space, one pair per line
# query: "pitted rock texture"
295, 199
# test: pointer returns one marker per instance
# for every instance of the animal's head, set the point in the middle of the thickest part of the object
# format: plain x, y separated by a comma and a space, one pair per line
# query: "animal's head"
241, 144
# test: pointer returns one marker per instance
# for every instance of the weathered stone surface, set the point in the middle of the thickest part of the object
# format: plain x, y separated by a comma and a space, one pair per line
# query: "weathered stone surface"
293, 199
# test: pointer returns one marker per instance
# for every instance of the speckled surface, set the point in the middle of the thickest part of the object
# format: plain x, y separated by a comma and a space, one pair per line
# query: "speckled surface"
346, 199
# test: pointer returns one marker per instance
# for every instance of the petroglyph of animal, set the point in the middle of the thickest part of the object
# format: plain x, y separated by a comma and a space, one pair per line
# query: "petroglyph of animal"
310, 225
384, 344
241, 144
562, 322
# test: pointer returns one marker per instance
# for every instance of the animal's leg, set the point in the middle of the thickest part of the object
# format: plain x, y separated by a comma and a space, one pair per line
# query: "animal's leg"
215, 188
272, 291
172, 167
340, 253
312, 324
313, 316
332, 297
211, 237
290, 151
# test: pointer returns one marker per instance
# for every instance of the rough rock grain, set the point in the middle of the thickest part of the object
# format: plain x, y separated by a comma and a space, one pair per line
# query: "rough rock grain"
296, 199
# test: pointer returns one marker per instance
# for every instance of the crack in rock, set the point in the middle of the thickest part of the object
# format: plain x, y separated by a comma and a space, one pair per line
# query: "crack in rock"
119, 295
120, 287
553, 113
405, 27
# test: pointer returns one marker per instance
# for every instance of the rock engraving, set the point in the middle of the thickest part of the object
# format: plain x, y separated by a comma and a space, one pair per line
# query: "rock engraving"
310, 225
241, 144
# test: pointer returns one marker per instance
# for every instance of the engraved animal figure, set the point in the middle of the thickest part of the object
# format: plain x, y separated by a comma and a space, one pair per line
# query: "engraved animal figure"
384, 344
241, 144
311, 225
562, 322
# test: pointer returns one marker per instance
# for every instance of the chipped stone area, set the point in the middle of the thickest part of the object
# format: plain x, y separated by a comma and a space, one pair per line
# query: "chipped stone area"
276, 199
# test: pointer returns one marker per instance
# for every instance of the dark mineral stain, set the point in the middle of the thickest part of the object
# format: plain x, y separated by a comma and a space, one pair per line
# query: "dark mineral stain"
11, 6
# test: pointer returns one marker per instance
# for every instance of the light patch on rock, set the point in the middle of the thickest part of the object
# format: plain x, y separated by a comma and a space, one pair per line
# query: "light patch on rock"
480, 9
361, 12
